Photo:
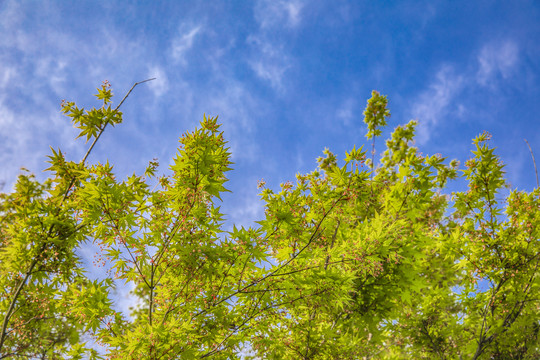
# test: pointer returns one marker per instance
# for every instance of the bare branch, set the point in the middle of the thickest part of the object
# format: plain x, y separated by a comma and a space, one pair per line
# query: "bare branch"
534, 162
107, 122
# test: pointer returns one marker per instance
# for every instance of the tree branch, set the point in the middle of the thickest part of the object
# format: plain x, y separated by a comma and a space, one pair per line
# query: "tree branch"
34, 262
534, 162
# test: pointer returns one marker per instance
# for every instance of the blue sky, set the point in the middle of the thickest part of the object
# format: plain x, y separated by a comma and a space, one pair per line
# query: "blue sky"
287, 78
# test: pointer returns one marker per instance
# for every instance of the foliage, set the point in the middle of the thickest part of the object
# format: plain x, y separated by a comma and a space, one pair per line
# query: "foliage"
351, 261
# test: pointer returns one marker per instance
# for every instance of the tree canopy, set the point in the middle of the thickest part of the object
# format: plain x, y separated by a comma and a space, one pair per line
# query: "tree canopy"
361, 258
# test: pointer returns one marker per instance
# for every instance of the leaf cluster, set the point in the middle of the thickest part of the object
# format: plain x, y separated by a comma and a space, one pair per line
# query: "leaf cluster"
350, 261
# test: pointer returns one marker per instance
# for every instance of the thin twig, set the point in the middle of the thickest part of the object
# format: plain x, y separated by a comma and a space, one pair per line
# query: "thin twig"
107, 122
331, 247
534, 162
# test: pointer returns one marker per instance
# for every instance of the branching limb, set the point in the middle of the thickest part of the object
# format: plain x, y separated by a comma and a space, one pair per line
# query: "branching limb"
22, 283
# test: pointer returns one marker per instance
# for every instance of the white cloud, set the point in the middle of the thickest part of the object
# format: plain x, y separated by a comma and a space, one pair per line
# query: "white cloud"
160, 85
276, 13
270, 63
7, 73
497, 59
10, 17
124, 300
346, 111
183, 43
238, 111
15, 130
31, 90
249, 208
53, 70
18, 143
55, 64
270, 71
432, 105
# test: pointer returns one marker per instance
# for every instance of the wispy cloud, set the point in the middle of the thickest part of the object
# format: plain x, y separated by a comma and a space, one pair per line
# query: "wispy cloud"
183, 42
54, 70
39, 66
238, 111
7, 73
270, 63
271, 60
278, 13
497, 59
346, 112
160, 85
432, 105
248, 208
24, 133
11, 144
